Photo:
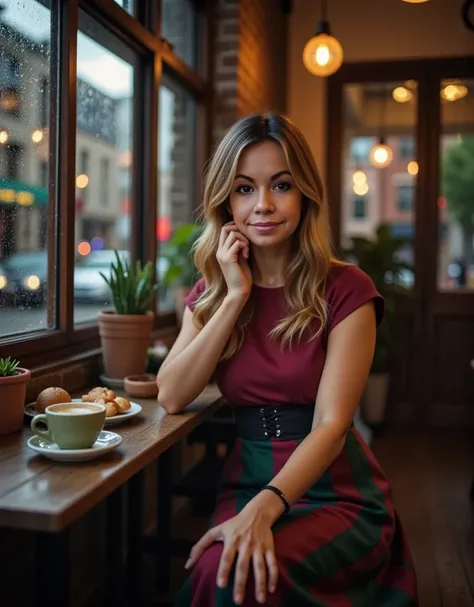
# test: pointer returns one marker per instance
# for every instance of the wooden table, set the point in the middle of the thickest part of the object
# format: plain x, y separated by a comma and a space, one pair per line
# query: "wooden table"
46, 497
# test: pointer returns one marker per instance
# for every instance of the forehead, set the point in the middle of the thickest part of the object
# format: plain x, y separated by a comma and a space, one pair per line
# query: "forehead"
266, 158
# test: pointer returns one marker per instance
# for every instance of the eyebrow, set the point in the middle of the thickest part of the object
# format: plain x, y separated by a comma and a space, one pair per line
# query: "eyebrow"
272, 178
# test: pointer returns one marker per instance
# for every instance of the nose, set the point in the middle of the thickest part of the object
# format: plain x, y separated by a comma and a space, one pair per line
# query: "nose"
264, 204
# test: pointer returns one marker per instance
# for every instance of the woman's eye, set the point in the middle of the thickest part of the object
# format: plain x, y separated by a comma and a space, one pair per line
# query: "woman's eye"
283, 186
244, 189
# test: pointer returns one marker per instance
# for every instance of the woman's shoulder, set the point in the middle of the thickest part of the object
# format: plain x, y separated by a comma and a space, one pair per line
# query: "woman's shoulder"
347, 288
342, 274
195, 293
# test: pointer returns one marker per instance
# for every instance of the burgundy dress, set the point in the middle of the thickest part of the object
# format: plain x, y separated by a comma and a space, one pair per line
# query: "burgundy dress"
342, 544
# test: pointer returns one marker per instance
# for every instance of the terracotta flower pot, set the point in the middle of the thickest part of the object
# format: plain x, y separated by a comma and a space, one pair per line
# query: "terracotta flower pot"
125, 340
141, 386
12, 401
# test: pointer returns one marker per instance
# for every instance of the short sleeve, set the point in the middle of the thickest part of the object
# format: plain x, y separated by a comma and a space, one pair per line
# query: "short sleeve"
195, 293
350, 290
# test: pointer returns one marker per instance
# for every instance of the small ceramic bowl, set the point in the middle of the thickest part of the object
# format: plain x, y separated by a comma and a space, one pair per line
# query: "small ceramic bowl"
141, 386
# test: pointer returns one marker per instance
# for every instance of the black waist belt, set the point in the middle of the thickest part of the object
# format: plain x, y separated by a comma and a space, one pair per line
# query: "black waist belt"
280, 422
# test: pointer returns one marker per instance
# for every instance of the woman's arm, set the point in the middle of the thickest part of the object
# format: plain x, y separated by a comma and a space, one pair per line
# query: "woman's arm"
350, 352
195, 354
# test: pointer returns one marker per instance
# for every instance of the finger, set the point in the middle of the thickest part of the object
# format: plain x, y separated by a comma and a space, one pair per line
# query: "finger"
233, 253
241, 573
272, 567
260, 575
232, 237
225, 564
204, 543
225, 231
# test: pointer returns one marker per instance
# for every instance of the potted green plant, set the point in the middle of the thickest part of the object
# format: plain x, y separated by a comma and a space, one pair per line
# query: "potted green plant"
380, 258
125, 332
13, 380
181, 272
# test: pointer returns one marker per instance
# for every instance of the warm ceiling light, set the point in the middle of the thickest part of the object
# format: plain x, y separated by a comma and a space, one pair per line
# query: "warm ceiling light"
360, 189
3, 136
359, 178
402, 95
415, 1
381, 155
323, 54
412, 167
453, 92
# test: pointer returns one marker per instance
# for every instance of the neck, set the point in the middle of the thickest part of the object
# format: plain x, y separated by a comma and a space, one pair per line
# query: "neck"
269, 264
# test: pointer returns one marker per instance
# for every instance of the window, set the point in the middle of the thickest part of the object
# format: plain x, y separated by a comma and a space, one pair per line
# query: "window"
360, 148
128, 5
359, 208
104, 130
24, 63
179, 28
75, 178
406, 147
405, 198
176, 171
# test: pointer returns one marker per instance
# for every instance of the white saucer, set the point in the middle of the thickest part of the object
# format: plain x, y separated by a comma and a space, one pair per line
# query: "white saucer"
106, 442
135, 409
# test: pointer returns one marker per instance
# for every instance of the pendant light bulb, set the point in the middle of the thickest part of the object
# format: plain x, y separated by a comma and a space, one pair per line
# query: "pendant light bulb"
381, 155
323, 54
415, 1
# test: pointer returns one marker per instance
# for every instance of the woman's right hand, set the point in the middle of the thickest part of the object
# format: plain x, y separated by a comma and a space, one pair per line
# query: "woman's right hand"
232, 255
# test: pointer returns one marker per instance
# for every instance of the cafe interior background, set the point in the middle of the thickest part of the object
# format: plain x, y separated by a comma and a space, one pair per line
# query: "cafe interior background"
108, 113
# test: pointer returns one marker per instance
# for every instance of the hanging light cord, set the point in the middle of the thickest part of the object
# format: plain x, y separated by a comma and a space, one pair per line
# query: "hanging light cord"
467, 6
324, 10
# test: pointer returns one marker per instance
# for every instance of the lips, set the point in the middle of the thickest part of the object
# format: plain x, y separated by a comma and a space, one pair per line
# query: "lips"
266, 224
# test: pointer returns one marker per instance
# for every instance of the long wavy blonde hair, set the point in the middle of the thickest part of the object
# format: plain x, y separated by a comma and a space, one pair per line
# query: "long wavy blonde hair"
312, 255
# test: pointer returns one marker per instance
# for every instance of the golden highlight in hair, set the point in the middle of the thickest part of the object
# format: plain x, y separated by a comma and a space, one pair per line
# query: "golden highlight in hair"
312, 254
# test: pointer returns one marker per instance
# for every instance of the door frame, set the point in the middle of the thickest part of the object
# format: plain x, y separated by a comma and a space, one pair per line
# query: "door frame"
426, 304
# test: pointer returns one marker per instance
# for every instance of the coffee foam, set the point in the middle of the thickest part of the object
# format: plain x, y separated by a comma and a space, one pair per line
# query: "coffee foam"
75, 409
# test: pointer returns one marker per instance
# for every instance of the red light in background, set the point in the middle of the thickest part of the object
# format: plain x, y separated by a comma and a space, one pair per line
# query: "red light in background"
442, 202
163, 229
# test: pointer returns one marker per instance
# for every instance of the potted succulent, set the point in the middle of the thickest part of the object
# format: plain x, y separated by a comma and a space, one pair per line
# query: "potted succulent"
381, 259
125, 332
181, 273
13, 380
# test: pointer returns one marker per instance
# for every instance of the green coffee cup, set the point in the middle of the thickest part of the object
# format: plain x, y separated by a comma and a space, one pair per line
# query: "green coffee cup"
71, 425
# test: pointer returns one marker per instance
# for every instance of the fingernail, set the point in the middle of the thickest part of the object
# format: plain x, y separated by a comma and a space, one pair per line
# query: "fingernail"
261, 598
220, 582
238, 599
187, 564
272, 588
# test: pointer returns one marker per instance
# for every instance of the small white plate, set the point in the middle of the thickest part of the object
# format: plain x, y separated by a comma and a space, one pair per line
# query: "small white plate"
135, 409
106, 442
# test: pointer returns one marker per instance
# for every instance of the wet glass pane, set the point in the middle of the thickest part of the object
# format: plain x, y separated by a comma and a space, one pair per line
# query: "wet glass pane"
128, 5
379, 174
25, 37
456, 186
176, 183
179, 28
103, 166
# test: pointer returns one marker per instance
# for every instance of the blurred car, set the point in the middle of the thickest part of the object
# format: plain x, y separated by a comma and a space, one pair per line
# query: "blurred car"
89, 285
23, 279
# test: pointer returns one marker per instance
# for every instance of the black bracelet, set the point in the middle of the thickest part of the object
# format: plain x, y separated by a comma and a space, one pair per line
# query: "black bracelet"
280, 494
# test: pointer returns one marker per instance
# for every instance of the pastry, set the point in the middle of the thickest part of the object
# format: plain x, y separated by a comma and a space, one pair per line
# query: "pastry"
122, 403
51, 396
98, 392
110, 406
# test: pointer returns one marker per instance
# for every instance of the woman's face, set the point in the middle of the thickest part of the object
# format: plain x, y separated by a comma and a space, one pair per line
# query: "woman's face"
264, 200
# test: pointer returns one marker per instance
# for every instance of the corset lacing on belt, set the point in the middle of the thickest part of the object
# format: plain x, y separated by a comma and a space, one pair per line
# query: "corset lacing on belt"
277, 422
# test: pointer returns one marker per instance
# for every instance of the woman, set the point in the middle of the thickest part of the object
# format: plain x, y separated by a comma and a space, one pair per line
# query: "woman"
304, 516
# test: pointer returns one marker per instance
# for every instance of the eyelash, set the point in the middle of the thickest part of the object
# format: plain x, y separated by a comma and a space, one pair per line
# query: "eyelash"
284, 183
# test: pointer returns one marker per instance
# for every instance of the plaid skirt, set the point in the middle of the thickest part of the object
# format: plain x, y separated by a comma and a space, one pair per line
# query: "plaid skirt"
341, 545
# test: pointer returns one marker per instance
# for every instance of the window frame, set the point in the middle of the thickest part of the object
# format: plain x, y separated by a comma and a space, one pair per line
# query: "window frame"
155, 57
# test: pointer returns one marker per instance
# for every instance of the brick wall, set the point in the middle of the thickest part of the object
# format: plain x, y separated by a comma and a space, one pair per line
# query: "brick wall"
250, 65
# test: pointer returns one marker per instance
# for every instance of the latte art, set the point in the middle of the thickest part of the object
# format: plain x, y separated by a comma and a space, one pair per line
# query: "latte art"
75, 409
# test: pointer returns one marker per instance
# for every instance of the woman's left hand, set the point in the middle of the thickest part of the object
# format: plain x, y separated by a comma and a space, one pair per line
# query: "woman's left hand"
247, 536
